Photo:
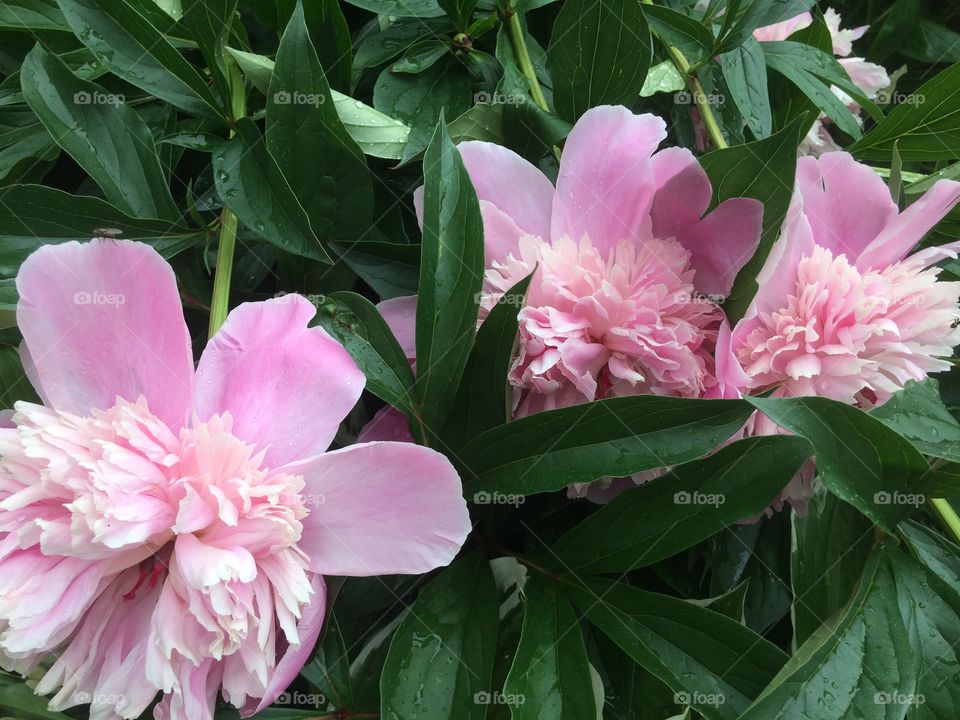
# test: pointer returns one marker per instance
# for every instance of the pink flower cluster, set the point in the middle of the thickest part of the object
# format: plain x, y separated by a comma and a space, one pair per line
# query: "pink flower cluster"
165, 530
629, 277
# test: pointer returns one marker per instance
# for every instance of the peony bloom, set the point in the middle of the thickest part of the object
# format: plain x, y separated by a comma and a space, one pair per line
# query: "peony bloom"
167, 531
867, 76
843, 310
628, 268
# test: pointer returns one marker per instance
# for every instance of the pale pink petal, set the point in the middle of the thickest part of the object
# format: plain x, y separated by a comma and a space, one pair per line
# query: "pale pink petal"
730, 376
722, 243
400, 314
387, 424
511, 184
287, 386
103, 320
901, 234
683, 191
846, 203
386, 508
783, 30
296, 656
777, 279
501, 235
867, 76
606, 184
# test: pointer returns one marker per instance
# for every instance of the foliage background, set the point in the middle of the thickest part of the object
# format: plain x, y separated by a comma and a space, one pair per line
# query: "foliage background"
305, 129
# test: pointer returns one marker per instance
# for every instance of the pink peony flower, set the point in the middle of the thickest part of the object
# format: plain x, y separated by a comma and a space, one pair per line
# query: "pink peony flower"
867, 76
165, 530
844, 311
628, 266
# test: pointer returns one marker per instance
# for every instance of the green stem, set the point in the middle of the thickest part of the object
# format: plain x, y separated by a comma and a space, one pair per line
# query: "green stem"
523, 57
220, 303
696, 90
948, 516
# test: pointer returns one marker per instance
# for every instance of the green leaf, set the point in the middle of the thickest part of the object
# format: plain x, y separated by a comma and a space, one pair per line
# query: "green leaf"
391, 269
451, 277
762, 170
662, 78
120, 34
693, 38
26, 148
323, 165
841, 671
831, 544
107, 138
696, 500
420, 56
32, 15
615, 437
361, 329
401, 8
927, 125
14, 385
377, 134
209, 22
36, 215
251, 184
441, 657
419, 100
331, 40
599, 54
745, 71
711, 662
329, 671
379, 47
550, 675
859, 459
20, 701
484, 396
813, 71
918, 414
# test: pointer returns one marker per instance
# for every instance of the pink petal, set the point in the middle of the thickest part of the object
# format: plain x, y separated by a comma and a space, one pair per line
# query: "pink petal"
511, 184
778, 277
867, 76
783, 30
293, 660
388, 424
501, 235
722, 243
606, 182
103, 320
730, 375
387, 508
683, 191
906, 230
287, 386
846, 203
400, 314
